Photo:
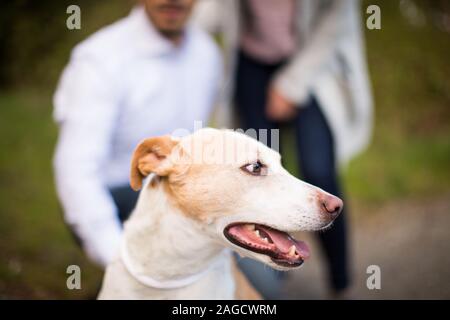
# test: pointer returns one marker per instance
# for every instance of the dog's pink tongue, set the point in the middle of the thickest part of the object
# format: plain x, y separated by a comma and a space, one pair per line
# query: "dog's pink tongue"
284, 242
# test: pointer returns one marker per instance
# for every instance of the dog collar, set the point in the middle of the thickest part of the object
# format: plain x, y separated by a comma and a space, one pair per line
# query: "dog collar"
164, 284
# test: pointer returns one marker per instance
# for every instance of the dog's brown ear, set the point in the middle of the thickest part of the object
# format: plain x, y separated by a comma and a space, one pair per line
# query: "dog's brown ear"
149, 156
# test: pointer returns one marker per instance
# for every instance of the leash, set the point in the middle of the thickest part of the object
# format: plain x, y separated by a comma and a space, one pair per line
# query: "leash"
164, 284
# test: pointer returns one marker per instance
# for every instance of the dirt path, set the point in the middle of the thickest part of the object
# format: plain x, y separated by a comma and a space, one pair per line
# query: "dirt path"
408, 240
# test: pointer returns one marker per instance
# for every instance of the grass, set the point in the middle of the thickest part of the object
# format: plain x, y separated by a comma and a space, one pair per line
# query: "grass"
36, 247
408, 158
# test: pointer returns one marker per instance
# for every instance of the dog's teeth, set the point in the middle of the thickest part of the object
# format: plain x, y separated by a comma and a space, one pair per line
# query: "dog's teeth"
251, 227
257, 233
292, 251
265, 240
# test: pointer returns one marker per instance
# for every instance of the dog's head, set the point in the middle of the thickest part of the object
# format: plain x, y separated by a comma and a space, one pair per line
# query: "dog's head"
237, 188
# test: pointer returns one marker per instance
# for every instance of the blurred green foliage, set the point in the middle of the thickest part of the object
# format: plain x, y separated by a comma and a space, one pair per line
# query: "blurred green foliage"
34, 39
410, 72
409, 156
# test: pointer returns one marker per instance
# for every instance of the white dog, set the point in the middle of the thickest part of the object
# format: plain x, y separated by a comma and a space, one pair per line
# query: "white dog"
207, 192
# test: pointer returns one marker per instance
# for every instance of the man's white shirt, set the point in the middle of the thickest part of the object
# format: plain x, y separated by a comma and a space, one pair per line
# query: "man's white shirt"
123, 84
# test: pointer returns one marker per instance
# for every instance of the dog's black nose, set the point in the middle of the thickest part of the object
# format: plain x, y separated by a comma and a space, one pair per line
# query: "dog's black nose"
331, 205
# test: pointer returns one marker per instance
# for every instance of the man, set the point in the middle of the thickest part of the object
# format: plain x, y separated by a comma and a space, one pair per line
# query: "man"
145, 75
300, 63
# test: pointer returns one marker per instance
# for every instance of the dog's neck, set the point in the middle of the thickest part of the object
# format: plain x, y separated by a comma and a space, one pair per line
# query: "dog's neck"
164, 243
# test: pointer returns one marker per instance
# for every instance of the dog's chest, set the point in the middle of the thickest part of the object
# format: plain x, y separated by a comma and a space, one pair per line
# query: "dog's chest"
218, 284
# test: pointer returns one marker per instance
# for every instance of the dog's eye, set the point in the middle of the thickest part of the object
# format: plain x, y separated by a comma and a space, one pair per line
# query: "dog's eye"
255, 168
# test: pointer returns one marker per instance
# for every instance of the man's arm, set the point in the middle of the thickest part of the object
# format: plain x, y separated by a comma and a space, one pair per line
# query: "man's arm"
86, 110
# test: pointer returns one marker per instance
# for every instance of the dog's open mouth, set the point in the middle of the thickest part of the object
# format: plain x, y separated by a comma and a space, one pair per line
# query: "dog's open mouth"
282, 248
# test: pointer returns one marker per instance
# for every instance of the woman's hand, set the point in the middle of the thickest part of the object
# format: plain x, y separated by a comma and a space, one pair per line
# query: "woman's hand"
278, 107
